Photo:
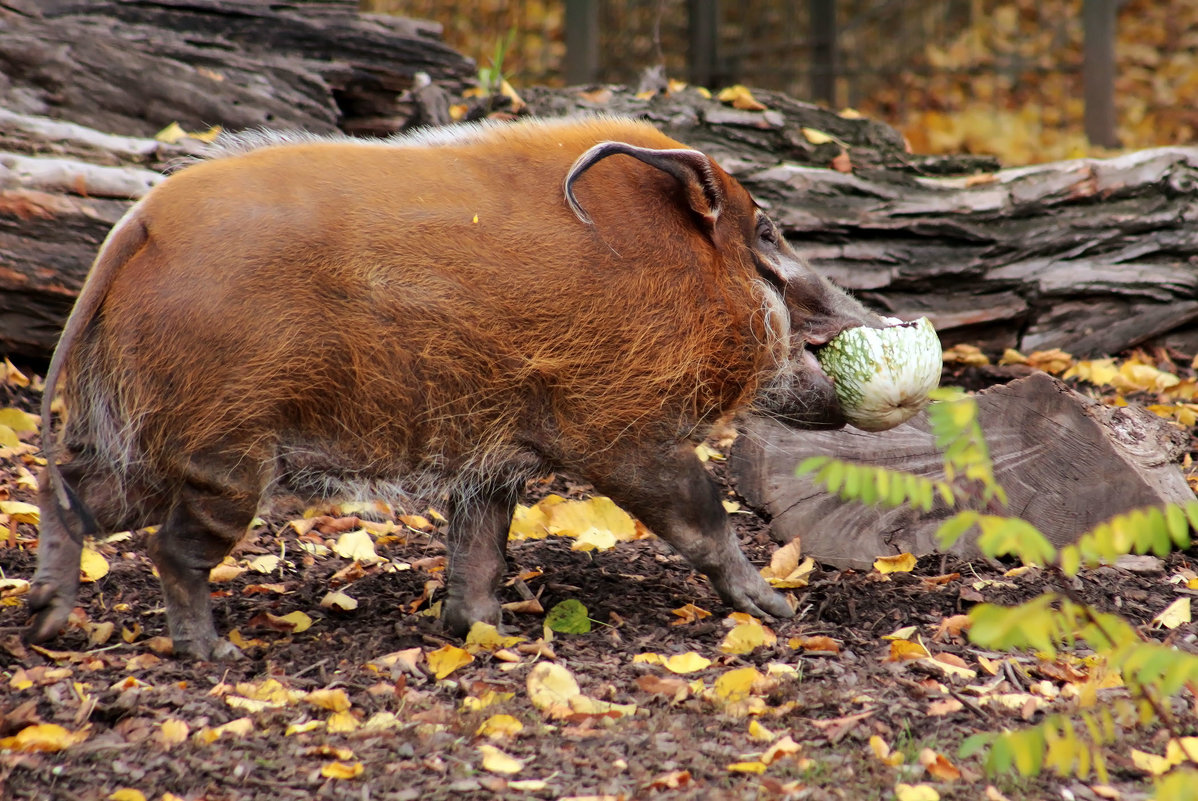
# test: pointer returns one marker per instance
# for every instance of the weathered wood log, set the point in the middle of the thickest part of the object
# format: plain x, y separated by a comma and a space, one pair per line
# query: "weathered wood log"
1067, 463
135, 66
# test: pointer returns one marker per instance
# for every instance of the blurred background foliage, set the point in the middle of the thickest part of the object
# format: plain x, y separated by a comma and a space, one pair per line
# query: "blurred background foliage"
1000, 77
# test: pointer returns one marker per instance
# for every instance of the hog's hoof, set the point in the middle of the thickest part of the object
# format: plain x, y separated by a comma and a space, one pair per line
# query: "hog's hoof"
215, 650
758, 600
459, 616
50, 610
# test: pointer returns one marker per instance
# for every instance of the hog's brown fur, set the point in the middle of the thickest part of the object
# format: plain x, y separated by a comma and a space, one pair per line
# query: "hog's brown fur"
406, 317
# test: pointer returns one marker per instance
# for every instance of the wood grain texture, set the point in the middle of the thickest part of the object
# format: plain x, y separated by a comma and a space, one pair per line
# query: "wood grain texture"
1067, 464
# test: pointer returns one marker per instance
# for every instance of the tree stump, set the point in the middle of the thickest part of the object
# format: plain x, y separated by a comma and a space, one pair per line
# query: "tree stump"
1067, 463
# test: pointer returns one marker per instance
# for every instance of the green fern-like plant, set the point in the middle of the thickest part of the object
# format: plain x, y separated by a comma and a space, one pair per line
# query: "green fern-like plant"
1074, 743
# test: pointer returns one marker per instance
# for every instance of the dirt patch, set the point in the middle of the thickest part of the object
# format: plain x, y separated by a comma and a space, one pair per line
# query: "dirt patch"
678, 743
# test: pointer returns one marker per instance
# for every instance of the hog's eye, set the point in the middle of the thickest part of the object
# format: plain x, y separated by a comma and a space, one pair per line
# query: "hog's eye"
766, 231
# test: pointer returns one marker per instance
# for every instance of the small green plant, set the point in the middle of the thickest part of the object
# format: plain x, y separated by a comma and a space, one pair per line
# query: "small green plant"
1071, 743
492, 78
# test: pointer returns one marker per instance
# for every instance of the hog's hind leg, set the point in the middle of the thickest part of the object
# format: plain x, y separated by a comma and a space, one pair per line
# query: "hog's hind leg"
100, 502
671, 492
55, 585
210, 515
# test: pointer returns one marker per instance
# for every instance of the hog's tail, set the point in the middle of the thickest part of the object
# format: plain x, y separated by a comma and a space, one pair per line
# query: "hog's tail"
125, 240
65, 518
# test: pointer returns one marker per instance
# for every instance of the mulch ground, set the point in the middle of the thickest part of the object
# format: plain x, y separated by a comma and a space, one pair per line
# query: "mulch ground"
677, 744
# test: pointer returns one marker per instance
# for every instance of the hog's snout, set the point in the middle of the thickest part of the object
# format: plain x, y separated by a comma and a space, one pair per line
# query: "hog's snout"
802, 395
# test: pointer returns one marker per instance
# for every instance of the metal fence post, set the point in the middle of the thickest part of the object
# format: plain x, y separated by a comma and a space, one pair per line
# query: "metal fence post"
582, 41
703, 58
1098, 71
823, 51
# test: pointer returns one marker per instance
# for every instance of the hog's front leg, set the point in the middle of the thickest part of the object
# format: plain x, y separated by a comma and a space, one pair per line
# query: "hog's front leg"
477, 544
670, 492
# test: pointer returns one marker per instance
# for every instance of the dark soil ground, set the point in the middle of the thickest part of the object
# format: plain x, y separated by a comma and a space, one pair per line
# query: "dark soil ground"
676, 745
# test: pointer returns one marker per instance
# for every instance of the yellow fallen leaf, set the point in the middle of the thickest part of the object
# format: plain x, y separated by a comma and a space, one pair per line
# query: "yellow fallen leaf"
969, 355
488, 698
585, 705
736, 685
247, 704
447, 659
707, 453
1135, 376
1100, 372
574, 518
499, 726
172, 732
784, 747
952, 665
900, 563
594, 539
938, 766
688, 662
8, 438
882, 751
819, 643
126, 794
267, 563
245, 643
496, 761
528, 785
1050, 361
357, 545
747, 767
531, 522
92, 566
21, 512
9, 374
301, 621
759, 732
234, 728
551, 685
342, 770
744, 637
485, 637
740, 97
334, 700
405, 660
1150, 763
904, 633
816, 136
20, 422
689, 613
43, 737
171, 134
785, 571
227, 570
341, 723
1012, 356
1182, 749
904, 650
302, 728
383, 720
915, 792
340, 601
1173, 615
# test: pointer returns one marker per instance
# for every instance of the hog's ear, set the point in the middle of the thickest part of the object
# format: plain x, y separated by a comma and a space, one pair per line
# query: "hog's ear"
694, 171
